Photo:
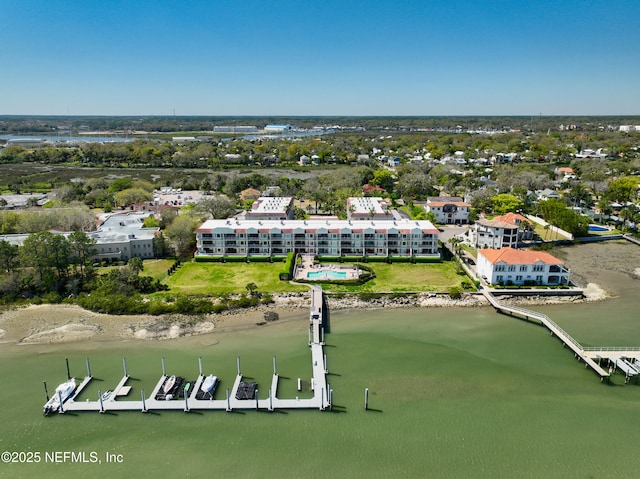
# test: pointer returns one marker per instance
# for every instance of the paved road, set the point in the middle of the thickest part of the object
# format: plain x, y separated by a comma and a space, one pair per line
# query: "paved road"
447, 232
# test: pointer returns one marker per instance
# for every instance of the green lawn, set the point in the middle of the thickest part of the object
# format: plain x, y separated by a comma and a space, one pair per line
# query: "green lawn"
227, 278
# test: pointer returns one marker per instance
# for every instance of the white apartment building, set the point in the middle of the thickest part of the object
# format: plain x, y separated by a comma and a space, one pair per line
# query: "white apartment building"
318, 237
508, 266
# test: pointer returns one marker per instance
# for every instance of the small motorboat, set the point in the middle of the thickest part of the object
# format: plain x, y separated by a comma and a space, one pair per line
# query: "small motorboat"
168, 385
209, 383
62, 392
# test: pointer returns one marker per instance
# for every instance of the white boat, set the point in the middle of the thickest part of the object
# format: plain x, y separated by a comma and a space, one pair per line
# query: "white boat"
209, 383
168, 385
63, 391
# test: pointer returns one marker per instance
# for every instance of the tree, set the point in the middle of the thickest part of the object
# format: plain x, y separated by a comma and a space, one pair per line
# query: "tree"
505, 203
181, 234
135, 265
218, 207
384, 179
49, 255
623, 190
8, 256
81, 249
251, 288
131, 196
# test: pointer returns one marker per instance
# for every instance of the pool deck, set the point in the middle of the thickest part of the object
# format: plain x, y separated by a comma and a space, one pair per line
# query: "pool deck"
321, 398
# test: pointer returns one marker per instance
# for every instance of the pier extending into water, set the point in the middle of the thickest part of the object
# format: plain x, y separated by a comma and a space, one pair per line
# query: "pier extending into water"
322, 392
604, 361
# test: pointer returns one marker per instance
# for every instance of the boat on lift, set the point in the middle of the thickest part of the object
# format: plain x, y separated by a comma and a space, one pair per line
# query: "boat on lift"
62, 392
209, 383
168, 385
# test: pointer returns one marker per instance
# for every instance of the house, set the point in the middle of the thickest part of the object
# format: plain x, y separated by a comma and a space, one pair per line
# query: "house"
508, 266
372, 189
493, 234
525, 230
368, 208
449, 210
393, 162
318, 237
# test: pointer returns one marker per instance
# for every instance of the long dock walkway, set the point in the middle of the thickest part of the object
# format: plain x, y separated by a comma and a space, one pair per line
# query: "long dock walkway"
546, 321
321, 398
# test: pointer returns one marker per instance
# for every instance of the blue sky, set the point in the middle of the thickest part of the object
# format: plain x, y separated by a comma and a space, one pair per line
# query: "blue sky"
246, 57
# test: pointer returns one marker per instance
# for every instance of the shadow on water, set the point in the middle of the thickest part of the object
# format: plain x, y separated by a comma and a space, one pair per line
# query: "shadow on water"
326, 315
336, 408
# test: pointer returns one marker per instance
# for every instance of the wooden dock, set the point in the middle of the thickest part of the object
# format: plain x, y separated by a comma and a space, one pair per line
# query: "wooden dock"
579, 352
321, 390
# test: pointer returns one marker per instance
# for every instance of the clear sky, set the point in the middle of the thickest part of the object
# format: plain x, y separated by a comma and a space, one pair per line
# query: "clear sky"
320, 57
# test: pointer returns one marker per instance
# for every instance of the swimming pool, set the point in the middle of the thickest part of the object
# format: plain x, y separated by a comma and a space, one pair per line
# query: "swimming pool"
597, 228
326, 274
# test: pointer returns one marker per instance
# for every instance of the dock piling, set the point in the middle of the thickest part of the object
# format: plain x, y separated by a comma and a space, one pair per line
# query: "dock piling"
144, 404
164, 369
238, 364
275, 373
200, 365
88, 367
366, 399
100, 399
47, 392
61, 410
270, 401
326, 368
124, 366
68, 371
257, 404
186, 399
228, 401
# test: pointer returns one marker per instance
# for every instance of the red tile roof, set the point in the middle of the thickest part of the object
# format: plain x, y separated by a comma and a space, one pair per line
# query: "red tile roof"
510, 218
518, 256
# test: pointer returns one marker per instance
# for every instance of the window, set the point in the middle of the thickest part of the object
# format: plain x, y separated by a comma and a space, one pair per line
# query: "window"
519, 278
539, 278
499, 278
512, 267
499, 267
523, 267
538, 267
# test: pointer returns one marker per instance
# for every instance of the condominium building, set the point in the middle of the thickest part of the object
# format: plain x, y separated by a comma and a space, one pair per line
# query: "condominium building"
318, 237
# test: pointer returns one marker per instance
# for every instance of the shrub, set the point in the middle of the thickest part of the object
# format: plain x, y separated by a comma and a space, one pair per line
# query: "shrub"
455, 293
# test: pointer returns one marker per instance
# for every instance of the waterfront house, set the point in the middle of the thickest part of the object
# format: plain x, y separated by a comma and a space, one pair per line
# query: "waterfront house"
508, 266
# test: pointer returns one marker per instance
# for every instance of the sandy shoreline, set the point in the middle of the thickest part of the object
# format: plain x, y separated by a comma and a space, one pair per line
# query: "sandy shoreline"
60, 323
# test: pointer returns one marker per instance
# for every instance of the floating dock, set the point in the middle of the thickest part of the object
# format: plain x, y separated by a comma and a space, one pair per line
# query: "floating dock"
192, 400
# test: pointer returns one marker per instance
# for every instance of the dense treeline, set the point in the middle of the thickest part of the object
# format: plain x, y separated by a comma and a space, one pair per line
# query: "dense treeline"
49, 124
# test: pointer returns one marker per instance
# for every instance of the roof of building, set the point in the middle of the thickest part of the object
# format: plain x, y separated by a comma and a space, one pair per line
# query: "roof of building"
518, 256
511, 218
431, 204
271, 204
447, 199
367, 205
250, 193
496, 224
328, 225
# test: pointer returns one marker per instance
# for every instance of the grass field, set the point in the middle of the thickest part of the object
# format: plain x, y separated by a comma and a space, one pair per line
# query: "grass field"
225, 278
452, 394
